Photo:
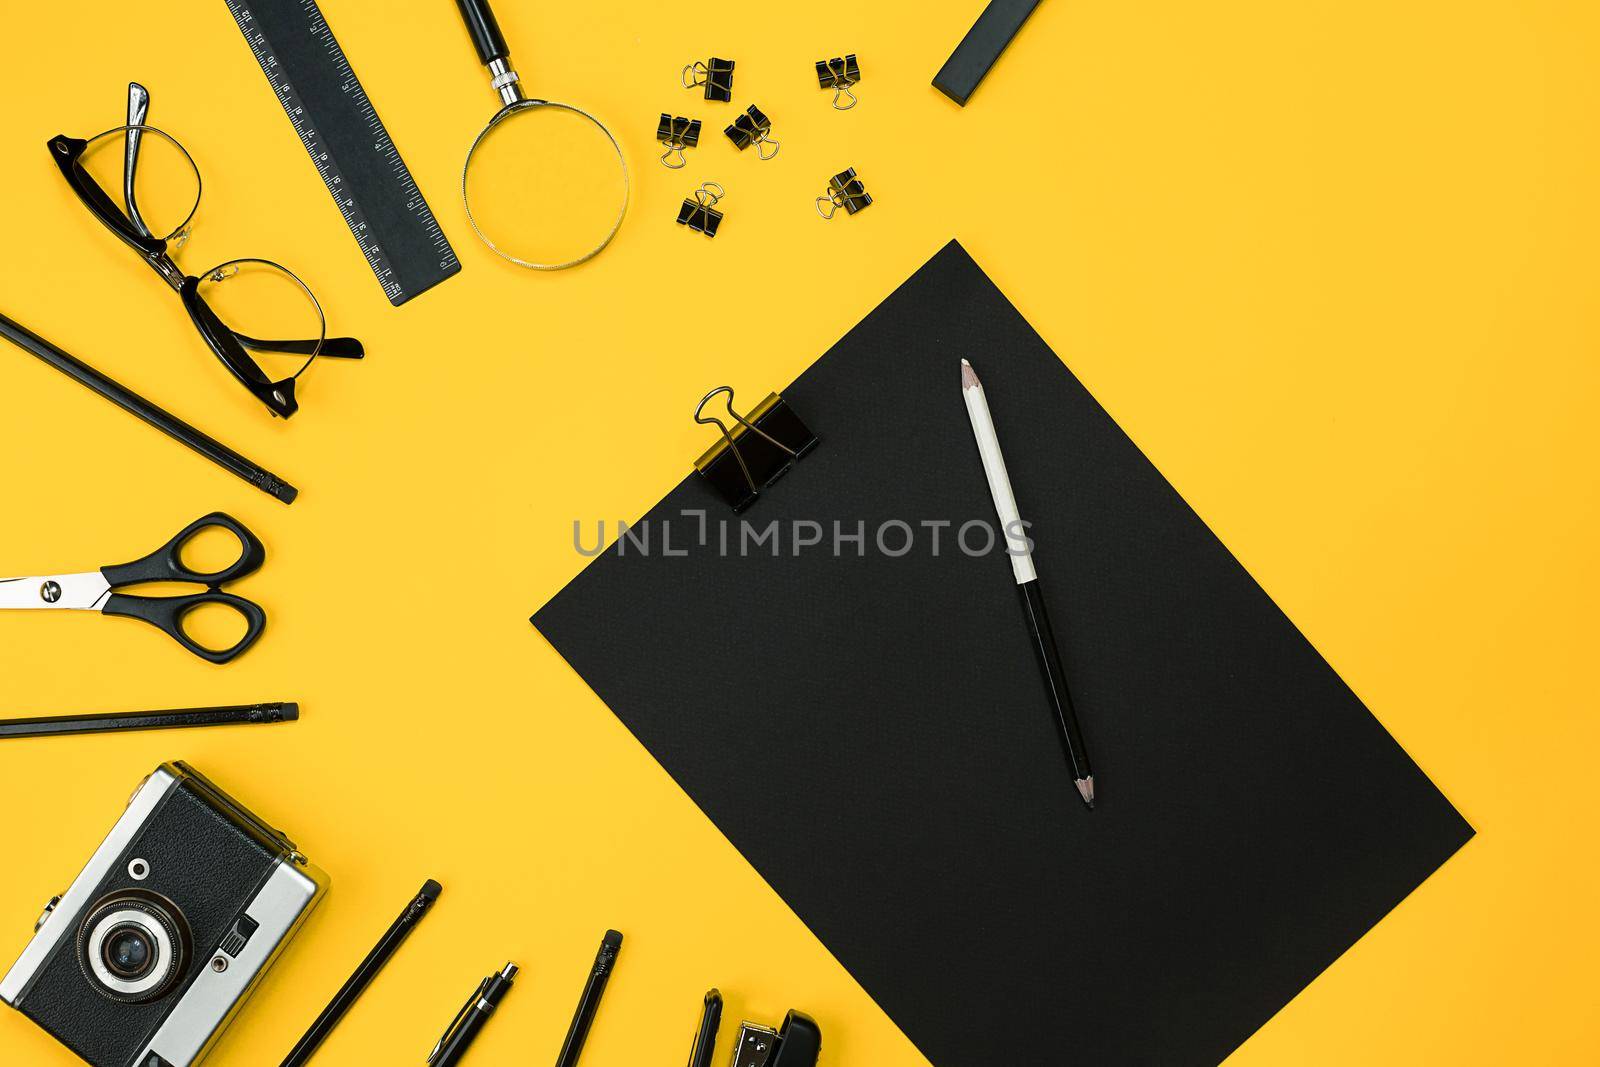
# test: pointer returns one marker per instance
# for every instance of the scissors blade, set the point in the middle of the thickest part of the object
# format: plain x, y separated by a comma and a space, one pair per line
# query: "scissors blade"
82, 592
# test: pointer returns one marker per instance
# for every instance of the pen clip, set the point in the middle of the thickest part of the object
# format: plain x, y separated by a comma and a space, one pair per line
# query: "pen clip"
454, 1023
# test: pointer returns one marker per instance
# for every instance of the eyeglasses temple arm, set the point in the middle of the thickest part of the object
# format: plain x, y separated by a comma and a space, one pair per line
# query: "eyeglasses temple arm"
138, 109
333, 347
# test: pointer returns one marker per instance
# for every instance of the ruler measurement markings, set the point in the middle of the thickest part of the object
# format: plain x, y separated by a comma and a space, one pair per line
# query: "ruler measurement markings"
326, 159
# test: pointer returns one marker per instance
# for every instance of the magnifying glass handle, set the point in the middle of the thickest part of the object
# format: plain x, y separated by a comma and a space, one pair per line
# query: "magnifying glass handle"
484, 30
492, 49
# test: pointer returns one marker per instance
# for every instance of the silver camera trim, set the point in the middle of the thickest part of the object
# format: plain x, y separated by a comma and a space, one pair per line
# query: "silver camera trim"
64, 916
166, 952
212, 999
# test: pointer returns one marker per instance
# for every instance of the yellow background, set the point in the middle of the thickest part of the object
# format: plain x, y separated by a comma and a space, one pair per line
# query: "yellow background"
1332, 265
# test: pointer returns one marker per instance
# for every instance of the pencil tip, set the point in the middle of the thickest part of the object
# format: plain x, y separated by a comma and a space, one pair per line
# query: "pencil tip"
969, 377
1086, 790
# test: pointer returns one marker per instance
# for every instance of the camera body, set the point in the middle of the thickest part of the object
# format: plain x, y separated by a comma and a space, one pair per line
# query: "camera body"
144, 960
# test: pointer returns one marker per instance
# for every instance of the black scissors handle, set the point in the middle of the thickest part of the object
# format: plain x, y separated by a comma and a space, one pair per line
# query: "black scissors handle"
166, 564
168, 612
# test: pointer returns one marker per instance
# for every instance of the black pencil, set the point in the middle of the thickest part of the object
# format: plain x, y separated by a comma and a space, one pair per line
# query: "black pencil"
392, 939
51, 725
589, 1002
1019, 547
161, 419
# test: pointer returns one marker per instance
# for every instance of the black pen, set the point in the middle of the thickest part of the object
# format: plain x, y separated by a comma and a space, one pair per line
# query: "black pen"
398, 931
1018, 546
589, 1002
471, 1018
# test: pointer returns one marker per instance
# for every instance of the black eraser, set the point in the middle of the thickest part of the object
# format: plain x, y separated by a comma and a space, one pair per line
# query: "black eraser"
289, 710
431, 889
281, 489
612, 939
980, 49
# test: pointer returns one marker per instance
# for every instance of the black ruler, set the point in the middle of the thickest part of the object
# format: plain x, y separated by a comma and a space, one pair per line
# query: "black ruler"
349, 146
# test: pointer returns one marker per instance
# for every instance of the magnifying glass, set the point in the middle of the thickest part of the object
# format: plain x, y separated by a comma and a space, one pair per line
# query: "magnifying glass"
545, 184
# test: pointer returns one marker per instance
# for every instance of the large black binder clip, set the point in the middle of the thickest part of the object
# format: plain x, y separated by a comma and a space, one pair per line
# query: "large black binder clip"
756, 452
797, 1044
844, 191
699, 213
677, 133
753, 128
839, 74
715, 75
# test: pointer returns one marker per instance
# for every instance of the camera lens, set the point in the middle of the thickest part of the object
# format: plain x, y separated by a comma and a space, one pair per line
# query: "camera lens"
133, 946
129, 951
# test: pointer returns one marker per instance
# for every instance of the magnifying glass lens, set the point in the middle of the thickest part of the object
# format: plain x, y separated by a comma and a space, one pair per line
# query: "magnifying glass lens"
545, 185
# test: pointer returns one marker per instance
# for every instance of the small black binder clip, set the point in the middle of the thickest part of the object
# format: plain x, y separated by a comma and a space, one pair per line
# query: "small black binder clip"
698, 211
677, 134
839, 75
797, 1044
757, 452
844, 191
716, 75
753, 128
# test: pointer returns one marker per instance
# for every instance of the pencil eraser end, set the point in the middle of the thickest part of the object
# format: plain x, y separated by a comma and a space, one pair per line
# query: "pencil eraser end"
290, 711
431, 889
612, 939
285, 492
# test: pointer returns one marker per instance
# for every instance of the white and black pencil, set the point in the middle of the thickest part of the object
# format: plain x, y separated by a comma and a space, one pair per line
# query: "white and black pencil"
1017, 546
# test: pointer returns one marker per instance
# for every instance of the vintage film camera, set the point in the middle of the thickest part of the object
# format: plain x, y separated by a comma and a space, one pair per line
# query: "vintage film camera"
144, 960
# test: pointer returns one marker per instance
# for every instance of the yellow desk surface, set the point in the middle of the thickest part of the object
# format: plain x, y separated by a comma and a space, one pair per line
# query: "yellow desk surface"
1331, 265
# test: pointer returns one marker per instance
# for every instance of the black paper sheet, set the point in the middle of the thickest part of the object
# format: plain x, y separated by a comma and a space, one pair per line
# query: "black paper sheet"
870, 729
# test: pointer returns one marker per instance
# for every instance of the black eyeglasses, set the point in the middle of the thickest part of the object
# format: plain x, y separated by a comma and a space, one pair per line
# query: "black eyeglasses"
240, 307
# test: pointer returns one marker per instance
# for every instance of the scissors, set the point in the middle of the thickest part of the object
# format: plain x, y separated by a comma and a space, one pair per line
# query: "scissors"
92, 590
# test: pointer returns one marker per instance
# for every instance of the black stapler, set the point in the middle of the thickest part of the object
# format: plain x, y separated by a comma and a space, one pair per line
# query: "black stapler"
797, 1044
